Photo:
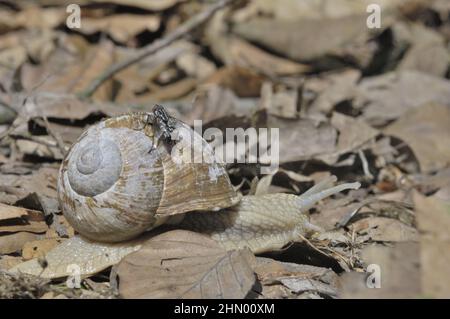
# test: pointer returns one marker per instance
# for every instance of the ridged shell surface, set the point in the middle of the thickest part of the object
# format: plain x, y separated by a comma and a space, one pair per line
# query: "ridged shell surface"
110, 183
114, 183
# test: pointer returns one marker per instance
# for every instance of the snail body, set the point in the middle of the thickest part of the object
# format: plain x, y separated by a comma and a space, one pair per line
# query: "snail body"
117, 182
264, 223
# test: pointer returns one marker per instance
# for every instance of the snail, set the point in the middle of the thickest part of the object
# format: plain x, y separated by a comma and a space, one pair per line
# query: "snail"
128, 175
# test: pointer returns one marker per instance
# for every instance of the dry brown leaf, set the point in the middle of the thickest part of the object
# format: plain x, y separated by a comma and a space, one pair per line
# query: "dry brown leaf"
17, 219
7, 262
71, 74
14, 242
399, 271
195, 65
294, 9
29, 226
427, 131
426, 51
332, 89
299, 285
121, 27
171, 91
245, 54
219, 107
69, 134
66, 106
154, 5
353, 134
433, 219
41, 181
12, 212
243, 82
385, 229
332, 213
136, 79
183, 264
31, 17
270, 271
387, 97
39, 248
13, 57
235, 51
280, 101
284, 279
303, 139
279, 35
40, 147
90, 257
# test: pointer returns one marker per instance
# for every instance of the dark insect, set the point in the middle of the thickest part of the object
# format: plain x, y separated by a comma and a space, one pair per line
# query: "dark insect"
163, 125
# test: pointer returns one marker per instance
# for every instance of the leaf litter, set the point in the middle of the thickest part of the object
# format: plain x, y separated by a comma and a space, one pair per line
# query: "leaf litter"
366, 105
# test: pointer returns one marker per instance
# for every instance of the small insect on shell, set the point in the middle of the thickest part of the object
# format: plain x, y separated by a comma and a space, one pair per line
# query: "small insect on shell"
115, 183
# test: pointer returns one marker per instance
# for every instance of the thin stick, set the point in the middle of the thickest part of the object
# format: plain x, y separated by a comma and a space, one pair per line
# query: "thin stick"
365, 164
183, 29
55, 136
11, 129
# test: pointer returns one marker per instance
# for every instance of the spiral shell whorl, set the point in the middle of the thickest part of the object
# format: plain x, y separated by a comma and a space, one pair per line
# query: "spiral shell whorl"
95, 166
110, 183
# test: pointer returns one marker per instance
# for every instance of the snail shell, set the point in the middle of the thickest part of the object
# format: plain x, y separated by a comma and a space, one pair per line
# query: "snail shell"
115, 183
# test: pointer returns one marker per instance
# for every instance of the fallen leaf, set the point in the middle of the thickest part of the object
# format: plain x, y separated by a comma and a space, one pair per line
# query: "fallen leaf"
195, 65
272, 272
280, 101
426, 51
62, 74
279, 35
433, 219
154, 5
243, 82
385, 229
293, 9
218, 107
353, 134
183, 264
12, 212
42, 181
171, 91
309, 138
7, 262
14, 242
39, 248
43, 146
332, 89
387, 97
330, 215
16, 219
90, 257
399, 273
121, 27
65, 106
233, 50
299, 285
427, 131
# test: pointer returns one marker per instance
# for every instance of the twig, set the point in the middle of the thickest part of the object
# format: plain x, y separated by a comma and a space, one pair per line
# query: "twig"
183, 29
365, 164
32, 138
11, 129
55, 136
